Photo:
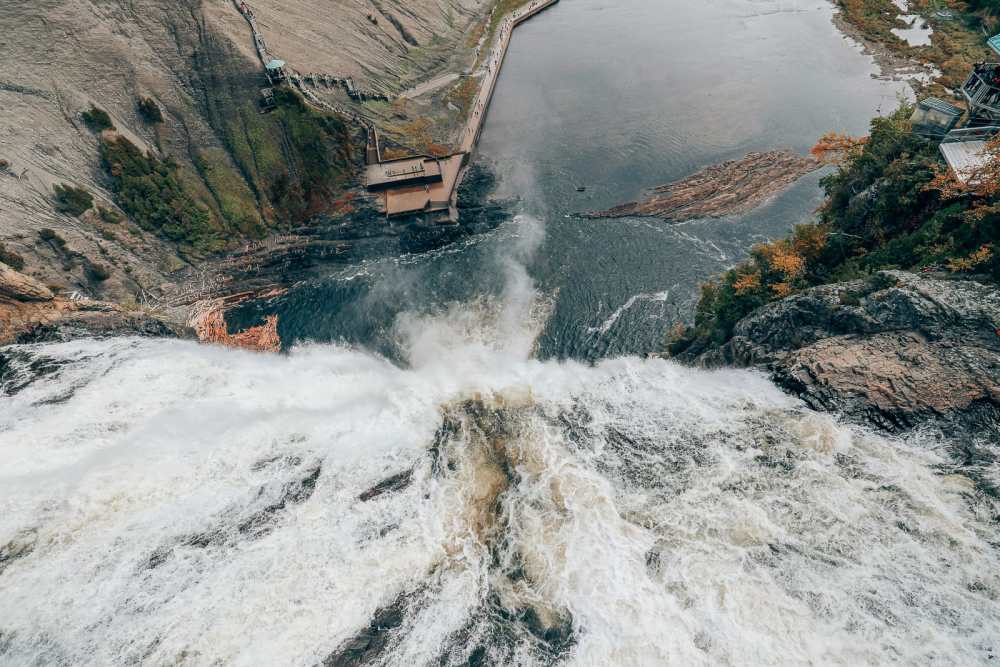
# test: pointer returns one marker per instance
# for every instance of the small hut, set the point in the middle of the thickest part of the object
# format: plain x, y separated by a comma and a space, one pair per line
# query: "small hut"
275, 70
934, 118
267, 101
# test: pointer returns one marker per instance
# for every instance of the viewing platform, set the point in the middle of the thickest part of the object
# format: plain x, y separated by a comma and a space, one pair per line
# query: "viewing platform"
415, 184
982, 93
404, 171
411, 185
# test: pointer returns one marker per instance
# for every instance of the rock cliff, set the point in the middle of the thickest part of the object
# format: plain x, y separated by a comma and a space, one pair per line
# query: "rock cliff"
897, 350
242, 176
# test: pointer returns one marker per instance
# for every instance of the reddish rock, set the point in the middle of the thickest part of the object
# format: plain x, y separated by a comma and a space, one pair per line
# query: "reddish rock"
19, 287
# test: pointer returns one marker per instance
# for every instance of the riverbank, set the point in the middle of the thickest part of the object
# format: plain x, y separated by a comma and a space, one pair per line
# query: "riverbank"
307, 242
886, 309
938, 67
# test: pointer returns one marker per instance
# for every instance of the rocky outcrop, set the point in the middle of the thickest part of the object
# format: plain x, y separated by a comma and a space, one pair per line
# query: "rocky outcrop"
732, 187
63, 319
31, 313
16, 285
898, 350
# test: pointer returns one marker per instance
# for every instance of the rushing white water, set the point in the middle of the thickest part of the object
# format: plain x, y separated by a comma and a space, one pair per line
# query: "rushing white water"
164, 502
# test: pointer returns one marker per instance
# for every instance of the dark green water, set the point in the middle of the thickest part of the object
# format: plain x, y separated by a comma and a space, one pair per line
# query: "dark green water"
617, 97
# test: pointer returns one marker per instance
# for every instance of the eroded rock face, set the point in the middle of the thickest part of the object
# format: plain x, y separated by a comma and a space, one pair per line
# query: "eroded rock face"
61, 319
15, 285
897, 350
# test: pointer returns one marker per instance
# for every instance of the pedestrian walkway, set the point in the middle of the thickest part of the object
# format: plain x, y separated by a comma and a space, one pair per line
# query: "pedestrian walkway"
474, 124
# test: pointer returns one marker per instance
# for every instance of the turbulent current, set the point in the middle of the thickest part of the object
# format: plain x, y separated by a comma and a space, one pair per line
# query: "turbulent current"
170, 503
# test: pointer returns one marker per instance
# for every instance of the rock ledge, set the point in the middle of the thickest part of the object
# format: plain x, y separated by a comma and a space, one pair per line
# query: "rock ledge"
897, 350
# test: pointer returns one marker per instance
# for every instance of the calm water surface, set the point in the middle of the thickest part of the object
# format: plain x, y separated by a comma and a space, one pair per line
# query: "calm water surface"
619, 97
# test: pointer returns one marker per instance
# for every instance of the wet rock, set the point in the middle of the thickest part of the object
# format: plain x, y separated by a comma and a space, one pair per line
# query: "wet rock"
15, 285
16, 549
365, 647
388, 485
896, 351
61, 319
253, 525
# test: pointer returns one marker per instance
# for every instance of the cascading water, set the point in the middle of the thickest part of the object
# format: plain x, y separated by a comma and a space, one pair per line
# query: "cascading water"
170, 503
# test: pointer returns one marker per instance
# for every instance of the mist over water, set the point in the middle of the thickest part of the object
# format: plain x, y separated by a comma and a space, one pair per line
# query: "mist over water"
172, 503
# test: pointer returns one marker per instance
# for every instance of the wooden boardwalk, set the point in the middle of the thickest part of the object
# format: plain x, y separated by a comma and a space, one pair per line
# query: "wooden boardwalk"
442, 196
474, 125
258, 37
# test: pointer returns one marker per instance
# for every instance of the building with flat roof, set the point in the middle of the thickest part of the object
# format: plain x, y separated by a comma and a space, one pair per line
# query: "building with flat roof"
965, 151
409, 171
409, 198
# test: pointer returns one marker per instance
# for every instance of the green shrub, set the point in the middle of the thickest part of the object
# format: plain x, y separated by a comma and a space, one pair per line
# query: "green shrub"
883, 210
97, 272
149, 190
150, 110
51, 236
109, 215
97, 120
72, 200
11, 258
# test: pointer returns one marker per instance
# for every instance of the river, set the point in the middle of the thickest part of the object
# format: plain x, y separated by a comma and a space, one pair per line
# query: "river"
507, 487
618, 98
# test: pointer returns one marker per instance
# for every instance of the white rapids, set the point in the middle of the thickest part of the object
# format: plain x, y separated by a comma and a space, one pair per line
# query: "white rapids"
168, 503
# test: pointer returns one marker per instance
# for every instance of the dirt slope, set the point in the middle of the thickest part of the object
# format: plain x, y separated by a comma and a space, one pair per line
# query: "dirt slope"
408, 41
255, 174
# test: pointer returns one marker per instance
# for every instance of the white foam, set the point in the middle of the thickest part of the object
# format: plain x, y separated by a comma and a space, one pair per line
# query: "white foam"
676, 515
612, 319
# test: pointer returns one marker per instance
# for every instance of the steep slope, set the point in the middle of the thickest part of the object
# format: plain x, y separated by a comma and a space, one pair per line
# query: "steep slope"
382, 44
241, 174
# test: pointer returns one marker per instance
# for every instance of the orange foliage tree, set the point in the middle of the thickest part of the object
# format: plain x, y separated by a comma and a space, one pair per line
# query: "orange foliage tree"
836, 148
980, 183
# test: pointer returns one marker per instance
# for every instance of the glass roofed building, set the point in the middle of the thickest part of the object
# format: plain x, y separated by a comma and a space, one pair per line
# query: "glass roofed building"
275, 70
934, 118
994, 43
